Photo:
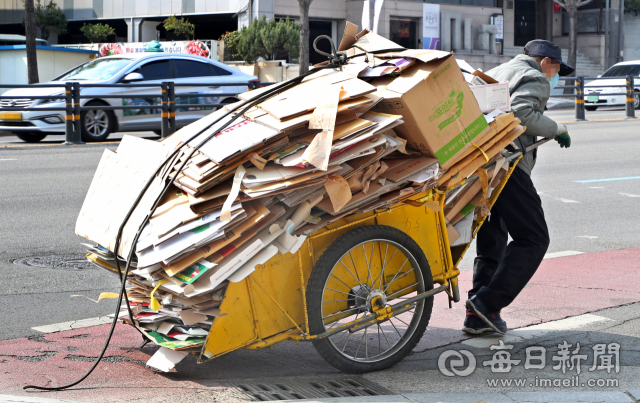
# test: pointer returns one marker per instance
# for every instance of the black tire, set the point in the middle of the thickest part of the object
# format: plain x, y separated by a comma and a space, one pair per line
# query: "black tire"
318, 281
591, 108
30, 137
96, 124
636, 100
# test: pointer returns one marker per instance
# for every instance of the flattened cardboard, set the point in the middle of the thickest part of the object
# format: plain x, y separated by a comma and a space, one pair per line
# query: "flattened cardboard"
400, 170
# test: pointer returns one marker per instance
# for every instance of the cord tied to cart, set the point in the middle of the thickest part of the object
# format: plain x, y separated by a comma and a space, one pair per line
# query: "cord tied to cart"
336, 60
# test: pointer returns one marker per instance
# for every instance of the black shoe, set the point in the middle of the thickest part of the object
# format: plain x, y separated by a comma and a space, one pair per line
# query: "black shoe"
492, 319
474, 325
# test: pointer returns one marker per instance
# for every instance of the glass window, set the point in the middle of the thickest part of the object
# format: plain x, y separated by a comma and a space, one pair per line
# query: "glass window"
404, 32
99, 69
624, 70
219, 71
159, 70
189, 69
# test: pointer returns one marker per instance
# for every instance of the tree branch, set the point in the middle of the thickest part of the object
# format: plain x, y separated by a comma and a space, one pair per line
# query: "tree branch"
583, 2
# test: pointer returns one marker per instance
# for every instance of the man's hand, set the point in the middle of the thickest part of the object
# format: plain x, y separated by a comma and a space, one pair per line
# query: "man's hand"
562, 136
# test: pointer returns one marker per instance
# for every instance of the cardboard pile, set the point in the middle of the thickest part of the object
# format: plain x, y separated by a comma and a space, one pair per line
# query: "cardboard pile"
378, 131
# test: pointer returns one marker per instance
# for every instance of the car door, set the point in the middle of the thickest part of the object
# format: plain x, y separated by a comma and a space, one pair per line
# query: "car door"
188, 71
153, 71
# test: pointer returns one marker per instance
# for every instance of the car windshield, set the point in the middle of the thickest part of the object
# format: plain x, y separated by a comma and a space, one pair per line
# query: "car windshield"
623, 71
99, 69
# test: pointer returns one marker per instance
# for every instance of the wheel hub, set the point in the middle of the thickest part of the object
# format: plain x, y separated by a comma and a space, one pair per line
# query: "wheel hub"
376, 300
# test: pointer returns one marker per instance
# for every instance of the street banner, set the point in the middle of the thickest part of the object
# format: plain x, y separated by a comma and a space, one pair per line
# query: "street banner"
430, 26
191, 47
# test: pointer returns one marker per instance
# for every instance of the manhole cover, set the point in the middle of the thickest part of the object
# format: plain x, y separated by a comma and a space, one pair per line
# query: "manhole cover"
307, 388
66, 262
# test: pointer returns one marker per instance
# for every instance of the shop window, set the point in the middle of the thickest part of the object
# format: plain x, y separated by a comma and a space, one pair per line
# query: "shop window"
404, 32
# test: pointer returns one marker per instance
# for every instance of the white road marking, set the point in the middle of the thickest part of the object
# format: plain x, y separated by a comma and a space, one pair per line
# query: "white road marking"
562, 254
76, 324
8, 159
587, 236
31, 399
596, 187
629, 195
567, 200
529, 332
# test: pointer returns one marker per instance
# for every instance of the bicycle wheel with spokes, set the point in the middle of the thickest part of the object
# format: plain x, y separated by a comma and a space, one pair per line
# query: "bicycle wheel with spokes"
367, 269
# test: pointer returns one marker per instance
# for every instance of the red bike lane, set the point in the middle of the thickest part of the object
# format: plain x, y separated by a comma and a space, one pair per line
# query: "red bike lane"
562, 287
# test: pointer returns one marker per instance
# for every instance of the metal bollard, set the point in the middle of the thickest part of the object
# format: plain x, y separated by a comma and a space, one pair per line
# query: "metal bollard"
72, 113
580, 113
631, 112
172, 107
165, 110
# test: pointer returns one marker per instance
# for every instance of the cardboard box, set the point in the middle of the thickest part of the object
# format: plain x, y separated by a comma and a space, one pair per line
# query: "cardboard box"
440, 113
492, 96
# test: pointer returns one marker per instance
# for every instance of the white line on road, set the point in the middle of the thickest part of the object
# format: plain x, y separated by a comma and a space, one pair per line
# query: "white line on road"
562, 254
629, 195
8, 159
30, 399
596, 187
525, 333
567, 200
587, 236
76, 324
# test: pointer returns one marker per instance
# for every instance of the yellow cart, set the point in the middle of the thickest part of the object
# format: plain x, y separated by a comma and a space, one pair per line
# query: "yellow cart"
360, 289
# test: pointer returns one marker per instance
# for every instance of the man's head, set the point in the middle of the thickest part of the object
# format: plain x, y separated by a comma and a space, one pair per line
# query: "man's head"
549, 57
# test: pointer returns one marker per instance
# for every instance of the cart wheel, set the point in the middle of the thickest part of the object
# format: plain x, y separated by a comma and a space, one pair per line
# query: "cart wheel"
365, 269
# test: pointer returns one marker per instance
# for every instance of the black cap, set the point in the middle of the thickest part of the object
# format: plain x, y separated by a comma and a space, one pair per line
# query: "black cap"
539, 47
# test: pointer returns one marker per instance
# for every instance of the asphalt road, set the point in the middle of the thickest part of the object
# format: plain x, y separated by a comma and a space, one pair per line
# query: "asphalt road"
44, 185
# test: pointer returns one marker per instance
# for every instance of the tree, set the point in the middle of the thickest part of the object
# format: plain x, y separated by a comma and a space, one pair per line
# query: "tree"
30, 33
50, 19
572, 8
231, 39
304, 35
632, 6
97, 33
268, 39
180, 26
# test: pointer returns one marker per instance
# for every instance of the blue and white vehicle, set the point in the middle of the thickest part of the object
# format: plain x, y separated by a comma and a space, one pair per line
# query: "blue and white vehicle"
595, 95
138, 68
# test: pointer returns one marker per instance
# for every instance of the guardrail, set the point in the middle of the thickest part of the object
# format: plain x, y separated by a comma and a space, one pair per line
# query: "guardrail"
73, 110
579, 93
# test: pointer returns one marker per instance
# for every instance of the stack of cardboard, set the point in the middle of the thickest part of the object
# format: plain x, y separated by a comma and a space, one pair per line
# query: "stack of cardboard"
378, 131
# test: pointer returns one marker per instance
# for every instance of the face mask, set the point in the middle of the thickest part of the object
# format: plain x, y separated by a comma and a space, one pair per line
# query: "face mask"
554, 81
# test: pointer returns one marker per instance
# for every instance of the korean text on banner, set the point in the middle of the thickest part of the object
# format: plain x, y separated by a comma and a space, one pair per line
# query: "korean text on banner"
430, 26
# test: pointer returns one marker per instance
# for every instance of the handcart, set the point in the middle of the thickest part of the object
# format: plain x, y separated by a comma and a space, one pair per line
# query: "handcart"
361, 289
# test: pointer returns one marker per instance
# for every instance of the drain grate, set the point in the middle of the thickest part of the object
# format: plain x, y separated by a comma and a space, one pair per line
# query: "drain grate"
65, 262
307, 388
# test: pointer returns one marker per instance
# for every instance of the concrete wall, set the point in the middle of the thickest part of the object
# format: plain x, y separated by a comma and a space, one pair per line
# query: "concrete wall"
483, 62
51, 63
631, 37
320, 9
12, 11
590, 45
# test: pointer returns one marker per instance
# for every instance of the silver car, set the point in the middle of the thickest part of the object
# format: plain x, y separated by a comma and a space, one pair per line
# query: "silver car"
138, 68
596, 95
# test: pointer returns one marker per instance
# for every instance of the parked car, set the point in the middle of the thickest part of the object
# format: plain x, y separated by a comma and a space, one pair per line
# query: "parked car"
596, 96
138, 68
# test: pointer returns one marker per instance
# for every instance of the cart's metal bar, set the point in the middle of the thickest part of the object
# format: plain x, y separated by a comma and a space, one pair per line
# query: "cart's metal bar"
369, 324
369, 318
303, 289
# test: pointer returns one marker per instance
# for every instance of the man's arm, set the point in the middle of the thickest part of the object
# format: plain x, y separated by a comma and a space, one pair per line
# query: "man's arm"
526, 100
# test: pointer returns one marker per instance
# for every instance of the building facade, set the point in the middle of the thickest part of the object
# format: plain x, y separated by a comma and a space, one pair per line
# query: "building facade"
464, 25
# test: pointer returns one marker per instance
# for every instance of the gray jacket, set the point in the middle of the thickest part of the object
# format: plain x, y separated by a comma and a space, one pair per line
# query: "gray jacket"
529, 91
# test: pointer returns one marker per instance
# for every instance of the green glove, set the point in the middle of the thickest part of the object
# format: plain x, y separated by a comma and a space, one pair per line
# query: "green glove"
564, 140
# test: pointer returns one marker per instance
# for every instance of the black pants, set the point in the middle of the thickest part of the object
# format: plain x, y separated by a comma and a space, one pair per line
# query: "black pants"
501, 271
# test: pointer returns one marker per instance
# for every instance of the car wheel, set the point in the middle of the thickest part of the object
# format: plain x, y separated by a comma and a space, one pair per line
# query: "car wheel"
636, 100
591, 108
30, 137
96, 124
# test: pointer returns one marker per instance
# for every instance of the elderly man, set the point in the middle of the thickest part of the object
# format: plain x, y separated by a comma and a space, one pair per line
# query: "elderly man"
501, 271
